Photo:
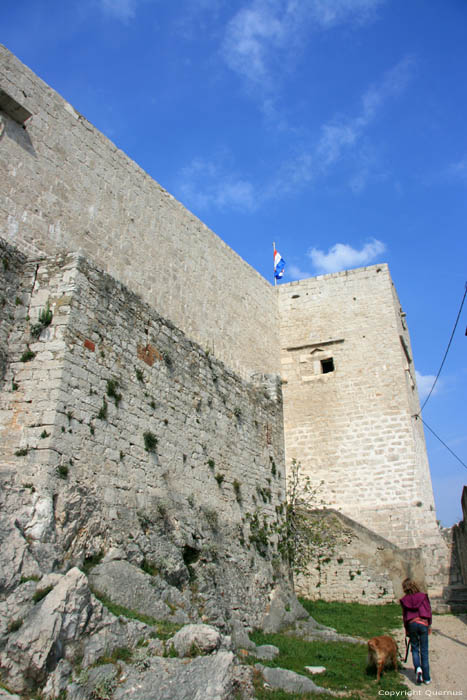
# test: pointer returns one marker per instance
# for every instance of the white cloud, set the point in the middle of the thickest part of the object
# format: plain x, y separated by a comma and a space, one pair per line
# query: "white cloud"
424, 384
459, 169
328, 13
295, 273
206, 184
252, 36
342, 256
264, 35
121, 9
339, 136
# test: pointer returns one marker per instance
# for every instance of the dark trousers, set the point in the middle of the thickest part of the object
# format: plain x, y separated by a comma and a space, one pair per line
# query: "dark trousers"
419, 640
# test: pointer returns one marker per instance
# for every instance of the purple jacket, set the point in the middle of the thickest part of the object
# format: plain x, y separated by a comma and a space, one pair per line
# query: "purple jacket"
415, 605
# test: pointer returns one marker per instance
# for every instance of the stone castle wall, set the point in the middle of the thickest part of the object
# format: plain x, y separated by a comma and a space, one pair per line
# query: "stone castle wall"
363, 566
349, 384
350, 397
64, 186
107, 371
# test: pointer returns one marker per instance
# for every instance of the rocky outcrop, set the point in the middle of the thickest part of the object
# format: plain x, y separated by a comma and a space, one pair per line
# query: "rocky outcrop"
49, 630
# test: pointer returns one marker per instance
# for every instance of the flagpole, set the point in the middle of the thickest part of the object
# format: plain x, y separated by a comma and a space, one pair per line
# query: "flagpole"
273, 271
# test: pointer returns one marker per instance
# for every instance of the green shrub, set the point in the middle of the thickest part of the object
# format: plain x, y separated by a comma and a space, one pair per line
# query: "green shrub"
150, 441
219, 478
22, 452
45, 319
62, 471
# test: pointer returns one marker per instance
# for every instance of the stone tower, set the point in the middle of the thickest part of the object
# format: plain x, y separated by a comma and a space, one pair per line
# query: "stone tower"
351, 402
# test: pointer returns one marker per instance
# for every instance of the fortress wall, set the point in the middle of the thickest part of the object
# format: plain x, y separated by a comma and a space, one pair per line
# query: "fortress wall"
65, 186
11, 264
218, 459
364, 567
352, 427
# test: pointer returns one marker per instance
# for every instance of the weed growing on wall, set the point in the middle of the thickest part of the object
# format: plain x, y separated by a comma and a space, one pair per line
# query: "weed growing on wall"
27, 355
236, 487
150, 441
45, 319
259, 533
102, 415
112, 387
62, 471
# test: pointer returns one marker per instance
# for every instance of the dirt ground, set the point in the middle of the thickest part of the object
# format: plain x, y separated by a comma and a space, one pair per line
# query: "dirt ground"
448, 659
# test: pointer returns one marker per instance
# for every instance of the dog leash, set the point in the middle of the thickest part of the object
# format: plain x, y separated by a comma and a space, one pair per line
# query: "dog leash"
407, 648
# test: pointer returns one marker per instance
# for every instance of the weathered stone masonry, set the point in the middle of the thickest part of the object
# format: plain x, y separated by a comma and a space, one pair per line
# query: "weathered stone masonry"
65, 186
348, 375
351, 424
107, 371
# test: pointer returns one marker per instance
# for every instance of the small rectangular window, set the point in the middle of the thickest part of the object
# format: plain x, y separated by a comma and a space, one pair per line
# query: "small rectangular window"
327, 365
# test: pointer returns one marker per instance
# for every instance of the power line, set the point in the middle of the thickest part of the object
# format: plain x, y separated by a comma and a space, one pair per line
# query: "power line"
441, 441
419, 415
447, 350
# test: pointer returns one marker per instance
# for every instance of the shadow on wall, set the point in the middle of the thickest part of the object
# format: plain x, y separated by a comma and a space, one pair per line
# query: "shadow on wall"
364, 567
455, 593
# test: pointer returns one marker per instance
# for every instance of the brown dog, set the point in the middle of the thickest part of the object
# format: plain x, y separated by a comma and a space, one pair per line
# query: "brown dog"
382, 651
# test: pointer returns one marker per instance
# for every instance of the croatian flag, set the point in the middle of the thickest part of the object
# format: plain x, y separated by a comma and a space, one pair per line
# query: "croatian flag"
279, 264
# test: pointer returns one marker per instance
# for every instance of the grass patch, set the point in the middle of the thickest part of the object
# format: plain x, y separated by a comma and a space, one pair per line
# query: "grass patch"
14, 625
41, 593
164, 630
346, 666
117, 654
355, 619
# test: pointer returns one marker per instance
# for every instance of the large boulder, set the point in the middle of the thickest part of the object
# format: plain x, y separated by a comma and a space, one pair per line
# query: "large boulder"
192, 640
58, 620
129, 586
211, 677
291, 682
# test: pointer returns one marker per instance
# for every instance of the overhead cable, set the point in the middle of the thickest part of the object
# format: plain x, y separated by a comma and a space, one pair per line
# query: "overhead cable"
447, 349
441, 441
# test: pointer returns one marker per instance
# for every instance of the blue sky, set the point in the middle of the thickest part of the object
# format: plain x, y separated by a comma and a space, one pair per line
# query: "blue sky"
336, 128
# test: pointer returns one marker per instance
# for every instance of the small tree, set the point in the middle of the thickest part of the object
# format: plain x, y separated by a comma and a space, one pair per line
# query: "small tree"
305, 535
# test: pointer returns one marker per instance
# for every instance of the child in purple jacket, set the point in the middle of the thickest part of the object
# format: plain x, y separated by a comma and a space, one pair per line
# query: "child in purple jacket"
416, 613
